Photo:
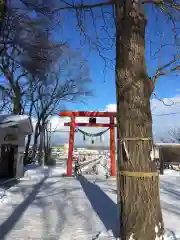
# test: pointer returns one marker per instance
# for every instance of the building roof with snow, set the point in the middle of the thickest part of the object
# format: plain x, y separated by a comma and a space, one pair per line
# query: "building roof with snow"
21, 121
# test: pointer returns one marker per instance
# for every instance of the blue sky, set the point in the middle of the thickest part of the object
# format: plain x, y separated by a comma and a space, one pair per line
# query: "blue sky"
104, 83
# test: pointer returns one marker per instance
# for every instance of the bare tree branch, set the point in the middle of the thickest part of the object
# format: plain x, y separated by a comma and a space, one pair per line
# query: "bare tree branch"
165, 70
169, 3
69, 6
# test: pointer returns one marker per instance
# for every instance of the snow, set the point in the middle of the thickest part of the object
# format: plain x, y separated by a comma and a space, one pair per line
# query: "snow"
4, 196
33, 171
45, 205
170, 203
52, 207
13, 118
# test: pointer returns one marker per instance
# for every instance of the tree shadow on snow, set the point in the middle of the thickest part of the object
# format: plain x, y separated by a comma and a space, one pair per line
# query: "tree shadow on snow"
10, 222
105, 208
170, 208
8, 183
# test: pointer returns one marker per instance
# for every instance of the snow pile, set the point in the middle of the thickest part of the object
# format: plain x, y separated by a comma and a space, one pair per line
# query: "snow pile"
103, 170
33, 171
5, 187
169, 235
170, 172
105, 235
5, 196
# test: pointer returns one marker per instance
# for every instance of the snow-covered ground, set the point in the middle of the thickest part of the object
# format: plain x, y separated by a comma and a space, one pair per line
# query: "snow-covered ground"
34, 171
170, 202
45, 205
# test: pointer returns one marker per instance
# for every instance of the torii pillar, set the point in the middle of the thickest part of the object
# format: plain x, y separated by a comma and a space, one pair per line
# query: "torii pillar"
71, 146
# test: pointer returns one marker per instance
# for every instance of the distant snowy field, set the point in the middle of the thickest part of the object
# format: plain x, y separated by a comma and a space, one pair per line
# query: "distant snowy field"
76, 202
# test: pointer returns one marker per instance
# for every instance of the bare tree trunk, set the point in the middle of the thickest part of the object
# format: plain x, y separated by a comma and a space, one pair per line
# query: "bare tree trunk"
41, 144
2, 12
29, 136
46, 145
27, 148
139, 196
16, 106
17, 100
36, 136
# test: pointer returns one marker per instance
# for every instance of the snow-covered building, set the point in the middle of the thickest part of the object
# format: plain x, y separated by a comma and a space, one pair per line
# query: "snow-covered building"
13, 131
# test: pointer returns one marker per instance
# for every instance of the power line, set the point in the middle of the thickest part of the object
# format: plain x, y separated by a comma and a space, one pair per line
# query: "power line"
166, 114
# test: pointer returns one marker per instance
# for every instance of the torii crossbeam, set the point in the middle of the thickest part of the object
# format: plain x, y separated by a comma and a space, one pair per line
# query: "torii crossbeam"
73, 125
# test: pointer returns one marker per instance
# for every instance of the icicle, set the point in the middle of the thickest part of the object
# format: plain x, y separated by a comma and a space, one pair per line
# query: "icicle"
92, 141
84, 137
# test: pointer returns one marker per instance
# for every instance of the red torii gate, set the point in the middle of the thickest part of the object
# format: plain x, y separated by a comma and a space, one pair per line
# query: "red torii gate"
73, 125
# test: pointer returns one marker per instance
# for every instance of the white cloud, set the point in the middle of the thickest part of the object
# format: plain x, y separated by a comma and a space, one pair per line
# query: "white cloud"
163, 121
110, 108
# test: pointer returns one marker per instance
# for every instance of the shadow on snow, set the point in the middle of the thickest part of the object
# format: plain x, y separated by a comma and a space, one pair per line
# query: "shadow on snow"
8, 224
105, 208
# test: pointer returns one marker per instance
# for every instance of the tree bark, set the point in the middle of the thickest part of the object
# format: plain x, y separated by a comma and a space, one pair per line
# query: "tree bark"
17, 100
27, 148
36, 136
29, 136
46, 146
139, 196
2, 12
41, 145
